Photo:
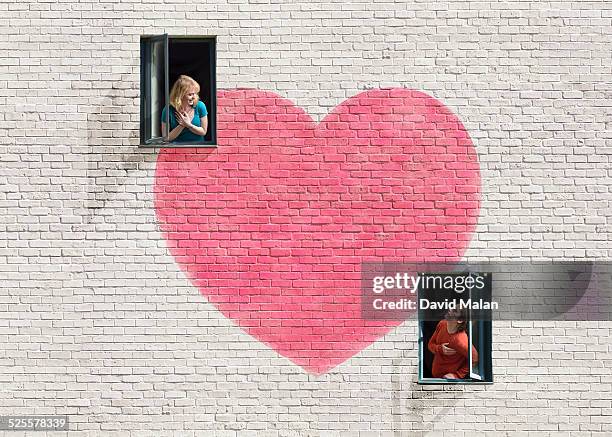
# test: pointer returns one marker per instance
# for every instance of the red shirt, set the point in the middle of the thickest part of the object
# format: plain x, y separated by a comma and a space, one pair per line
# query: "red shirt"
457, 363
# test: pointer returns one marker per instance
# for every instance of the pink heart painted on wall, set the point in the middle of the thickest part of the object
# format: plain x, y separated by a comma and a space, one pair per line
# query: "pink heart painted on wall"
273, 225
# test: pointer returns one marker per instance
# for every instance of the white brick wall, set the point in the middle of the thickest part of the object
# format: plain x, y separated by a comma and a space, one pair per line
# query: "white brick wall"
99, 323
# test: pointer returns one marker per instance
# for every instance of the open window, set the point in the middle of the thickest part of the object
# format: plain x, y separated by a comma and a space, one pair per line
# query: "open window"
456, 318
163, 59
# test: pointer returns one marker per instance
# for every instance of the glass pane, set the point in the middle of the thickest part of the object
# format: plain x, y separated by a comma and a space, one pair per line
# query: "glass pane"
157, 67
421, 351
154, 77
476, 354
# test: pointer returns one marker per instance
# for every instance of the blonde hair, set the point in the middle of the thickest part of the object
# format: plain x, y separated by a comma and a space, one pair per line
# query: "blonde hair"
180, 88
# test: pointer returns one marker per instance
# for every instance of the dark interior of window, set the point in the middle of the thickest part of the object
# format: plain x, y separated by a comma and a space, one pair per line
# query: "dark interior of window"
427, 328
429, 321
194, 57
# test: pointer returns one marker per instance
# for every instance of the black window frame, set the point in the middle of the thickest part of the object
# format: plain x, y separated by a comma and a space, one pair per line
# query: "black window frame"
146, 42
484, 347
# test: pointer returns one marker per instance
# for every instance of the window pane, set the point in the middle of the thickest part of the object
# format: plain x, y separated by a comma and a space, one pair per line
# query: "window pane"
477, 353
157, 70
153, 87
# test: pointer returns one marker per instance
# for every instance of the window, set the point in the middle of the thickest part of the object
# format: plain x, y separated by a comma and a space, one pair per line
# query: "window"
163, 61
455, 335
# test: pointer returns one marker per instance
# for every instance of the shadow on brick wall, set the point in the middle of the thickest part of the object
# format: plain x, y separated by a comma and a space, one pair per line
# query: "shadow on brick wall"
415, 411
114, 162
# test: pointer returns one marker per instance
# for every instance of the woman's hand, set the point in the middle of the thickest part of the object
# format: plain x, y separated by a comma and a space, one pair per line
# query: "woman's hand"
448, 350
182, 119
451, 376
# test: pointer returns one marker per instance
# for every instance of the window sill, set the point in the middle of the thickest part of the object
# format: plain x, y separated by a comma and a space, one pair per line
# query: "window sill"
442, 381
179, 145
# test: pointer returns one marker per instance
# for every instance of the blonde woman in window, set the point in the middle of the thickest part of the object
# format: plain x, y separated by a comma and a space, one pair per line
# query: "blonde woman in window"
188, 115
